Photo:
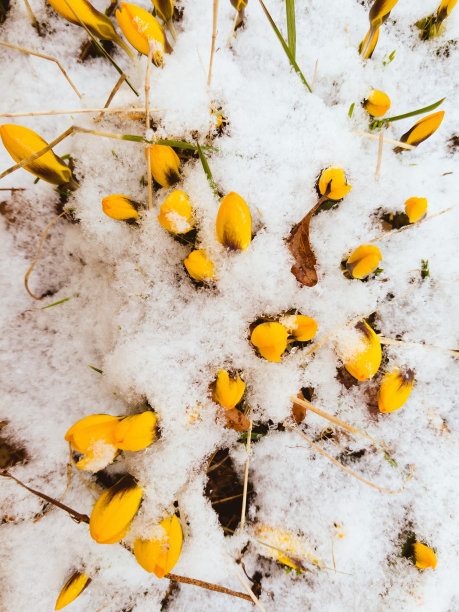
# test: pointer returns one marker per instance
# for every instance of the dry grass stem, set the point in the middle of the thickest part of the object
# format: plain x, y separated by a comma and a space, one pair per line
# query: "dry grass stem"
395, 143
33, 19
380, 151
406, 227
77, 111
113, 92
69, 480
350, 472
43, 236
230, 37
46, 57
245, 584
246, 475
390, 341
214, 36
147, 123
314, 76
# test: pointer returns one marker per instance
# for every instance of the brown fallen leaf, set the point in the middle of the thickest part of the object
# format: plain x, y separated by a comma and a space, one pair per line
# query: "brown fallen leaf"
299, 412
304, 268
234, 419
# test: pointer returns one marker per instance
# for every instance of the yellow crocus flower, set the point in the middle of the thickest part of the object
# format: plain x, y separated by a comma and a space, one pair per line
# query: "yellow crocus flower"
368, 44
270, 340
164, 165
228, 391
114, 510
377, 104
121, 208
160, 554
135, 432
74, 586
363, 261
334, 180
142, 30
198, 266
424, 556
445, 9
301, 327
361, 353
421, 130
416, 209
395, 389
93, 436
234, 223
21, 143
176, 214
379, 11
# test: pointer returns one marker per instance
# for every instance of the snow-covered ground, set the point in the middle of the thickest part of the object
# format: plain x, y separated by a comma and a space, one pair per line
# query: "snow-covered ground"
134, 313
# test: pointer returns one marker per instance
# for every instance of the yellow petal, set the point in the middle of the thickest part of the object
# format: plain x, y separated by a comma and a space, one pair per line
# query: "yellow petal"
198, 266
377, 104
98, 23
395, 389
85, 432
142, 29
136, 432
445, 9
74, 586
380, 10
363, 261
371, 44
164, 9
21, 143
234, 223
164, 165
285, 547
114, 511
239, 5
228, 391
120, 207
360, 351
302, 328
334, 180
416, 209
160, 554
270, 340
176, 214
424, 556
424, 128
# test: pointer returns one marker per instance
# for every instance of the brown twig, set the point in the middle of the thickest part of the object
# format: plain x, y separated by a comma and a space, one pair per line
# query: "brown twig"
147, 123
69, 480
47, 57
343, 467
246, 585
389, 341
208, 585
390, 141
246, 475
214, 36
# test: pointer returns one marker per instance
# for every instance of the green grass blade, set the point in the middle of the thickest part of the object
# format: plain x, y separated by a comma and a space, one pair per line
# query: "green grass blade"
291, 27
206, 168
178, 144
426, 109
284, 45
95, 369
55, 303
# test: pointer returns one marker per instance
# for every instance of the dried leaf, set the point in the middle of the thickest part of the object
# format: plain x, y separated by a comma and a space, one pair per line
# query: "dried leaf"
234, 419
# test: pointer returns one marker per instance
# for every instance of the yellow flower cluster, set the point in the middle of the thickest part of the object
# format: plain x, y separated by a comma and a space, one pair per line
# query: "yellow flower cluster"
272, 337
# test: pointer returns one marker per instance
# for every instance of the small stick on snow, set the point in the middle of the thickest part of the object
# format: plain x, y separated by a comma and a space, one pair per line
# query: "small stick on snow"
245, 584
69, 480
208, 585
396, 143
380, 150
246, 475
314, 76
147, 123
390, 341
228, 42
47, 57
76, 111
214, 36
33, 19
113, 92
343, 467
405, 227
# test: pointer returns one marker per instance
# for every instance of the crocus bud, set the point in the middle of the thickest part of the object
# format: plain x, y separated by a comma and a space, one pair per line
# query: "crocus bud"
360, 351
421, 130
97, 23
380, 10
284, 547
234, 223
21, 143
416, 209
164, 165
363, 261
270, 340
142, 29
332, 182
369, 43
239, 5
121, 207
176, 214
74, 586
302, 328
395, 389
199, 267
160, 554
113, 512
377, 104
424, 556
228, 391
164, 9
445, 9
93, 436
136, 432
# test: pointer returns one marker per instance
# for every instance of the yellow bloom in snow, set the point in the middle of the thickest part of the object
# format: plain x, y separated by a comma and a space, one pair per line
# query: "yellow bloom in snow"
373, 34
334, 180
74, 586
302, 328
160, 554
21, 143
363, 261
377, 104
142, 29
228, 391
164, 165
421, 130
239, 5
284, 547
176, 214
361, 353
93, 436
97, 23
198, 266
445, 9
270, 340
136, 432
395, 389
120, 207
234, 223
424, 556
380, 10
164, 9
114, 510
416, 209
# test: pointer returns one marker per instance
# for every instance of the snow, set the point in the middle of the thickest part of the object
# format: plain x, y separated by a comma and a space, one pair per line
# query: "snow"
134, 313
